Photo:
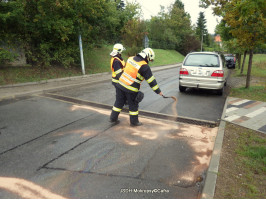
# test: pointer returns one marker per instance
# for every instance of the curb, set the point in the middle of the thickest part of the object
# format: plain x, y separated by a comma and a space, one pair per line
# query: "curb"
161, 67
55, 80
148, 114
212, 172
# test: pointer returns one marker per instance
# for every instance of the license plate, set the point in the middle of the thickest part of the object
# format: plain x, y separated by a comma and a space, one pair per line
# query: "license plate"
200, 72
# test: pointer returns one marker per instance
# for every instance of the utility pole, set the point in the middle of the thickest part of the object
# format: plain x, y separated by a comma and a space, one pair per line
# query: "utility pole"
201, 40
81, 55
81, 49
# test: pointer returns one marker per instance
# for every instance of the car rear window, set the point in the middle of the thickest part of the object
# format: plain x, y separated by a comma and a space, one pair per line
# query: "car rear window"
229, 58
202, 60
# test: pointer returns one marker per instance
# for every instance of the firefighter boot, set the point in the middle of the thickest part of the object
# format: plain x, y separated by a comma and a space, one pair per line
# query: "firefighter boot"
134, 121
114, 117
136, 124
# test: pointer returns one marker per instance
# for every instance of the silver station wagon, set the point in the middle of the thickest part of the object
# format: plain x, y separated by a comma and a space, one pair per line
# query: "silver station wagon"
205, 70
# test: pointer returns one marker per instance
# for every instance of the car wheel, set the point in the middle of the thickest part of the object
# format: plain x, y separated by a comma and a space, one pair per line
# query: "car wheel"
220, 91
182, 88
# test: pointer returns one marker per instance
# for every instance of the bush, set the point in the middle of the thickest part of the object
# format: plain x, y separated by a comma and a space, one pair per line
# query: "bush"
6, 56
48, 30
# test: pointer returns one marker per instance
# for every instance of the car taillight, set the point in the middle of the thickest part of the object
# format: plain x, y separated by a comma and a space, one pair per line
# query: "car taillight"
183, 71
218, 73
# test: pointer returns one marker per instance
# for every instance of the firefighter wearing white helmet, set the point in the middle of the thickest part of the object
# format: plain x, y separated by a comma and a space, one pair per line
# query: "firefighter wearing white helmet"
136, 70
117, 63
149, 53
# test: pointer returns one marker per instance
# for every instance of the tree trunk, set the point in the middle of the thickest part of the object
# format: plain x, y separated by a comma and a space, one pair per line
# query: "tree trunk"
243, 64
239, 60
249, 68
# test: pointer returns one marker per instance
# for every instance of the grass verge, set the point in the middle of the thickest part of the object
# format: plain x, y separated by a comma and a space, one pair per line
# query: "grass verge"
166, 57
23, 74
96, 61
257, 90
257, 93
258, 66
242, 165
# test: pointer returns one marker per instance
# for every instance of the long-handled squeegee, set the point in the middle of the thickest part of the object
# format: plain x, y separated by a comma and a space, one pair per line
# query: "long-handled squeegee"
175, 99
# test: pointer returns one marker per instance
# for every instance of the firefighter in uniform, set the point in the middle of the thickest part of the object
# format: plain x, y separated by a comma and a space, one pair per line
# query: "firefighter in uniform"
117, 63
136, 70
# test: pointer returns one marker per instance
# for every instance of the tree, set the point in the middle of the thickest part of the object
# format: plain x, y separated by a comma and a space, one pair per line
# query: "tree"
133, 34
160, 34
191, 43
48, 29
123, 16
246, 19
230, 43
201, 29
121, 5
172, 29
179, 4
11, 15
243, 63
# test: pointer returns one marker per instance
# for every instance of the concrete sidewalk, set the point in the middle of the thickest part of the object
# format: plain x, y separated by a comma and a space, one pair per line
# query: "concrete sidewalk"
246, 113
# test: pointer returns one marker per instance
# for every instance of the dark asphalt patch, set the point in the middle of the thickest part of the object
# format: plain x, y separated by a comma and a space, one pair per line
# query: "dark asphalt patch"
13, 100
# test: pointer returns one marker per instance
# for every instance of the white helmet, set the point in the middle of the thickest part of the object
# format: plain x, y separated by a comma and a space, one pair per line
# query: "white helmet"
118, 48
149, 53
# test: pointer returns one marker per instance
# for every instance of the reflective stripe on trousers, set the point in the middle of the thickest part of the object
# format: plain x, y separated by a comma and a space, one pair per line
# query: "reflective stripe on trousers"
133, 112
116, 109
121, 97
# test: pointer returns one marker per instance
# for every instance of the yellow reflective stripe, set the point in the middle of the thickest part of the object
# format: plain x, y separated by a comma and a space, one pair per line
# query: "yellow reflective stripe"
133, 113
128, 87
155, 87
133, 63
122, 61
125, 79
140, 77
115, 80
131, 78
118, 71
150, 79
111, 63
116, 109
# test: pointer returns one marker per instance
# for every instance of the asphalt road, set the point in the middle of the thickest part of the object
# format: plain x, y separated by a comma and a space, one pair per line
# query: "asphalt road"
199, 104
51, 148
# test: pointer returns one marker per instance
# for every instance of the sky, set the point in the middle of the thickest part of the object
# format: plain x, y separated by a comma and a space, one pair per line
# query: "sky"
152, 7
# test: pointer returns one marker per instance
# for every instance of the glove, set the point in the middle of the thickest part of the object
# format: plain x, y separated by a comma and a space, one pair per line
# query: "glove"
139, 97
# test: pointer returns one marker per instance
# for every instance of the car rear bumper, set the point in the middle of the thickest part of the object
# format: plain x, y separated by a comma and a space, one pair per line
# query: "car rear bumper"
233, 66
215, 85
